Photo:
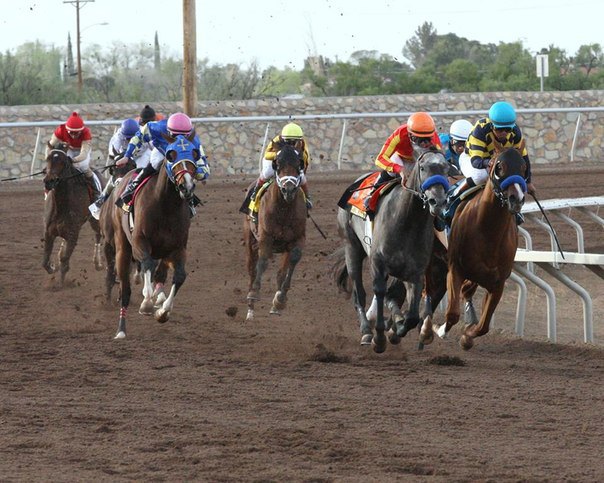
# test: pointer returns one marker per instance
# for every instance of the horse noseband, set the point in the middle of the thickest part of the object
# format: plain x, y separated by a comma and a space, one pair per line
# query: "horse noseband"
282, 181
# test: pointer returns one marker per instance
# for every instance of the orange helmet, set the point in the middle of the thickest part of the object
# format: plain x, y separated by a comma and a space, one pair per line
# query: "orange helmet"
421, 124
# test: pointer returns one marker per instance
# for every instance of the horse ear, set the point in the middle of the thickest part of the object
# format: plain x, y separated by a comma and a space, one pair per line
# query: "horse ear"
196, 155
191, 136
168, 138
171, 155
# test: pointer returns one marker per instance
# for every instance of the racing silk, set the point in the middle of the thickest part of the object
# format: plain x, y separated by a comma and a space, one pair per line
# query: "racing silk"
480, 145
273, 148
450, 155
81, 144
152, 134
119, 144
399, 144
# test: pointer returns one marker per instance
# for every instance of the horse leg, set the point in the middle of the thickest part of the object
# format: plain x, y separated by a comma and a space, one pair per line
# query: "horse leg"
468, 289
491, 300
49, 241
110, 273
138, 275
395, 295
122, 259
289, 262
379, 289
251, 262
414, 295
65, 255
148, 266
159, 278
355, 255
454, 281
96, 258
163, 313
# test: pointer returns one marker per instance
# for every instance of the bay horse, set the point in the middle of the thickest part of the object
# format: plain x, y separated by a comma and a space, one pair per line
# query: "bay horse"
281, 229
483, 243
159, 235
66, 211
399, 246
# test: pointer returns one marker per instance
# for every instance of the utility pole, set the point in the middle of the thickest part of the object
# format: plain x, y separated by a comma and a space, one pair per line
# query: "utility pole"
77, 5
189, 77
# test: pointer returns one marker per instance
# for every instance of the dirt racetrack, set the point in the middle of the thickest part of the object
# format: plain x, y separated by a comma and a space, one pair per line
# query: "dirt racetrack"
208, 397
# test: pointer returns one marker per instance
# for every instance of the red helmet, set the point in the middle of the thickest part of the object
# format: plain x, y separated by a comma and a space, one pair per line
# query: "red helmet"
75, 122
179, 123
421, 124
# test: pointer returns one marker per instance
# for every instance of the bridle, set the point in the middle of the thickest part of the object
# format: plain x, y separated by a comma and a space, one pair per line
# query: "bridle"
53, 183
427, 184
500, 185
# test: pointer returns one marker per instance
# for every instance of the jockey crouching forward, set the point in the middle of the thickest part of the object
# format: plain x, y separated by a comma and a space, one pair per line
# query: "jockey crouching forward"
78, 139
117, 147
454, 143
290, 134
155, 133
493, 133
397, 151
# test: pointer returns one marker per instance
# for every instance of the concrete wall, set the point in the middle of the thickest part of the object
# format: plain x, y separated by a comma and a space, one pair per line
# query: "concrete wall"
235, 147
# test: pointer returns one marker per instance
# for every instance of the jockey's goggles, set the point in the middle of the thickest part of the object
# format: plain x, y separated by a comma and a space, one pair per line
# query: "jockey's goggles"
420, 141
291, 141
73, 133
457, 144
502, 129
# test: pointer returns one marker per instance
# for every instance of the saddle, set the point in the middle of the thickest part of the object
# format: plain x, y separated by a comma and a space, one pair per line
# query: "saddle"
355, 195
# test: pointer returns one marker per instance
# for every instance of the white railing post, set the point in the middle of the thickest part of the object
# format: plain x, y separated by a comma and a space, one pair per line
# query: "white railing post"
341, 145
35, 155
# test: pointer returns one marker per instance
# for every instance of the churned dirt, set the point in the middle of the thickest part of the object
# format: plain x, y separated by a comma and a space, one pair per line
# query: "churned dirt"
209, 397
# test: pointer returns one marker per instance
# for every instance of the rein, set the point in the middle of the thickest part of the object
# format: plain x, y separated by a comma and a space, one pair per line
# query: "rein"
431, 181
13, 178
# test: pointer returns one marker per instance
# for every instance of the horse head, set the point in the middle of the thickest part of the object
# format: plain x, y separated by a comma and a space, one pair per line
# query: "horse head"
57, 164
428, 179
507, 173
287, 166
181, 159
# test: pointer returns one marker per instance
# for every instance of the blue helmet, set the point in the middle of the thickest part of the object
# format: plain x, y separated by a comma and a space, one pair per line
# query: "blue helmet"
502, 115
129, 128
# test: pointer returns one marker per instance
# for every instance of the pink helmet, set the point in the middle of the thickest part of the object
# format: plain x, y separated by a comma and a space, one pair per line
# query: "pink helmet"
179, 123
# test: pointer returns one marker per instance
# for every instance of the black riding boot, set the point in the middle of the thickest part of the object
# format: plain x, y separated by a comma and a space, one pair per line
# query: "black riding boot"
134, 183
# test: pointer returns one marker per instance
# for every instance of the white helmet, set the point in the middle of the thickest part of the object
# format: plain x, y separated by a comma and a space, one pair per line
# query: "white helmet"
460, 130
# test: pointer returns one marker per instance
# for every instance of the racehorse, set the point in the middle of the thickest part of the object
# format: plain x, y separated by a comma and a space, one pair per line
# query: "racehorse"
281, 229
483, 243
399, 246
65, 211
159, 235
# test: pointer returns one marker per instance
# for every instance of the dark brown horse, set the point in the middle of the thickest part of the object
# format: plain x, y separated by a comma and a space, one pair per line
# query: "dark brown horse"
65, 211
281, 229
483, 243
159, 236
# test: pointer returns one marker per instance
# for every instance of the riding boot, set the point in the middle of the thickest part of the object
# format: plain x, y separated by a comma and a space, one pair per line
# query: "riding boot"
304, 188
453, 198
253, 207
124, 200
382, 178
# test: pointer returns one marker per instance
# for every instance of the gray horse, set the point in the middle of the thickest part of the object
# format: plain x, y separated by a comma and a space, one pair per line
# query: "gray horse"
399, 246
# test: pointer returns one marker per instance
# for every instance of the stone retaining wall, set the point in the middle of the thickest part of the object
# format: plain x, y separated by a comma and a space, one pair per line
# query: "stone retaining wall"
235, 147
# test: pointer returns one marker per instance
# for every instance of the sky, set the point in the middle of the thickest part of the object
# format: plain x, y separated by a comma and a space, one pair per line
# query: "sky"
282, 33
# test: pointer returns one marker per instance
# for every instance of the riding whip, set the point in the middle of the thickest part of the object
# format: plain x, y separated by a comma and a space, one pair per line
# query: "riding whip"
21, 177
317, 227
549, 224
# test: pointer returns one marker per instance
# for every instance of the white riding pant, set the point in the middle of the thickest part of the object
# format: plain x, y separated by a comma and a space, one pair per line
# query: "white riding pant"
82, 166
268, 171
144, 159
155, 158
479, 176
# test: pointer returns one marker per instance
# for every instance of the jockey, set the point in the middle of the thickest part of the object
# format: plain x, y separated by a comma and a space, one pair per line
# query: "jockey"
290, 134
78, 139
454, 143
397, 151
154, 133
148, 114
500, 129
117, 147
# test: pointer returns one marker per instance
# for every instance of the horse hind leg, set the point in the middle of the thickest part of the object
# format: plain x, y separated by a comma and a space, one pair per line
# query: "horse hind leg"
49, 242
96, 257
491, 301
65, 253
162, 314
123, 257
468, 289
110, 273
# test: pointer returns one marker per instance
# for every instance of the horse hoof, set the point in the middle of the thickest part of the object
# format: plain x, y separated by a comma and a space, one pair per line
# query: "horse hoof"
146, 308
162, 316
393, 337
250, 315
274, 311
279, 301
366, 339
378, 343
466, 342
442, 331
120, 335
426, 338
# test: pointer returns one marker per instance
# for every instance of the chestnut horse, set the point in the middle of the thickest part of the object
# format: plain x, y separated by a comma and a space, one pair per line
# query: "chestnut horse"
65, 211
483, 243
281, 229
160, 233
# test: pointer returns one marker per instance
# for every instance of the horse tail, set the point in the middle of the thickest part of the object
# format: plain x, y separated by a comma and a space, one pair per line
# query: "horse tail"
339, 272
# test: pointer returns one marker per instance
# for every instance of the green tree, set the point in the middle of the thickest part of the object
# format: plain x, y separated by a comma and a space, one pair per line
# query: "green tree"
417, 48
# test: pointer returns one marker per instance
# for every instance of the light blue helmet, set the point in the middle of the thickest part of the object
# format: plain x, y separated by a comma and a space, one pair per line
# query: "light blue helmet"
129, 128
502, 115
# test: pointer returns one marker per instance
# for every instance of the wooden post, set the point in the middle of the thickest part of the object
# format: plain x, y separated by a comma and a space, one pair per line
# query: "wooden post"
189, 84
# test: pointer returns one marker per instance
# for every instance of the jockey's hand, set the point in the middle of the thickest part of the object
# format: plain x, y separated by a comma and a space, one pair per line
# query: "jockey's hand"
122, 162
396, 169
530, 188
